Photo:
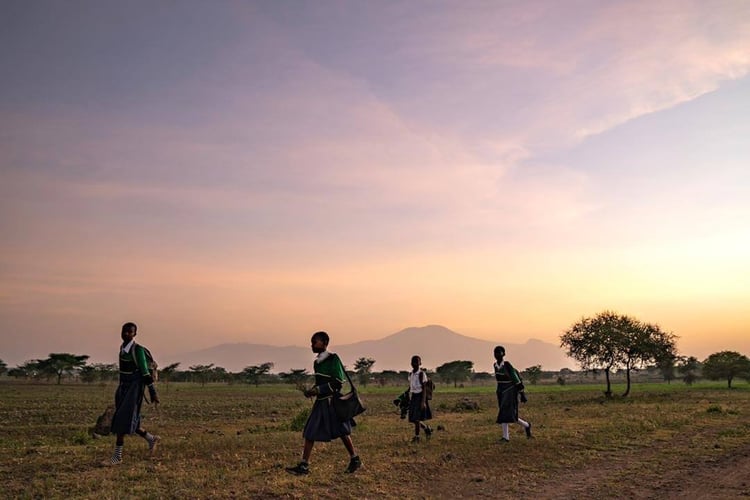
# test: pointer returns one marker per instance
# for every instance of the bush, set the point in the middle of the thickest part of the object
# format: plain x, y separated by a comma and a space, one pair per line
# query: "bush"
298, 422
82, 437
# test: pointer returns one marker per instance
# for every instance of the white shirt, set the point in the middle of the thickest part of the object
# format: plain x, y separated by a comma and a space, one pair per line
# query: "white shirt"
126, 348
415, 382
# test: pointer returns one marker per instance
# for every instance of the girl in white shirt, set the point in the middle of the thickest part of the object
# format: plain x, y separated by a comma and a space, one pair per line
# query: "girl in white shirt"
419, 407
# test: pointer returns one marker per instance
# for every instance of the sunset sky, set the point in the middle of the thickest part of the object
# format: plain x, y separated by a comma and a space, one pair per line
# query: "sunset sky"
240, 171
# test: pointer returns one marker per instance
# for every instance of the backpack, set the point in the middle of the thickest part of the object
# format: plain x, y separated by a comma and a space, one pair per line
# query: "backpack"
152, 365
429, 386
104, 422
518, 374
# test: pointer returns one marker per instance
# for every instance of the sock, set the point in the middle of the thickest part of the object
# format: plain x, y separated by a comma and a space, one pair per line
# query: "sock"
506, 432
117, 455
523, 423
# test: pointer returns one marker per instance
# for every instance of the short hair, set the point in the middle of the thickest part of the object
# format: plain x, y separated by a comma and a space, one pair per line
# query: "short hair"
322, 336
129, 326
500, 350
416, 357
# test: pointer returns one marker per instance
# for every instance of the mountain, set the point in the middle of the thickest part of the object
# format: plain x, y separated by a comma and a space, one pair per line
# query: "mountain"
435, 344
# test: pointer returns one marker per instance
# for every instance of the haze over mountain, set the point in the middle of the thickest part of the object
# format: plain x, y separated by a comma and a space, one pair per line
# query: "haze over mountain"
436, 344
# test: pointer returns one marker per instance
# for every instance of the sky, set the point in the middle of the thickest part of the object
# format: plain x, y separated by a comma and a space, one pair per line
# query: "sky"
241, 171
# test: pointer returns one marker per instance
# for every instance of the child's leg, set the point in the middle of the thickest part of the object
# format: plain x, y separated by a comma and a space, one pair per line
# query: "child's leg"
151, 439
526, 427
116, 458
303, 467
506, 432
307, 450
349, 445
427, 428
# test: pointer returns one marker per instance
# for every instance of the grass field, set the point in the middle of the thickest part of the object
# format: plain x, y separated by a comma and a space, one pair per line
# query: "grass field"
233, 441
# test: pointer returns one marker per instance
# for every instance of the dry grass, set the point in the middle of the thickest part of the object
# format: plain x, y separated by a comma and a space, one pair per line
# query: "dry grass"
233, 442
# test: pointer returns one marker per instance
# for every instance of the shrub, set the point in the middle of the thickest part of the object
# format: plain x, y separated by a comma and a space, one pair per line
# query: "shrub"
298, 422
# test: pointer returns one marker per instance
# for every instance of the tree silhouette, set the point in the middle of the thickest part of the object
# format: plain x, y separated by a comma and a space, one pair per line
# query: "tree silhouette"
533, 374
99, 371
643, 343
726, 365
29, 369
202, 372
388, 377
362, 368
253, 373
62, 363
3, 367
667, 368
167, 372
296, 376
610, 340
689, 368
455, 371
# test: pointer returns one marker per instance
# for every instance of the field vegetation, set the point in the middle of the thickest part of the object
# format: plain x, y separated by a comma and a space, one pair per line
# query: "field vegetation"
233, 441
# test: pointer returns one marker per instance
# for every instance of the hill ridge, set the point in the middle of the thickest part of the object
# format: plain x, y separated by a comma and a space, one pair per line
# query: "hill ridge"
436, 344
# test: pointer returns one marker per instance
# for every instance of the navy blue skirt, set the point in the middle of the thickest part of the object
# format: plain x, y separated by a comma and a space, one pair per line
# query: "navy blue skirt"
507, 403
324, 425
128, 401
416, 413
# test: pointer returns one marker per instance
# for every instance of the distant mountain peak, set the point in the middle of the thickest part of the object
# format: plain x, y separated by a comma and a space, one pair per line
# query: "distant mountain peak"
426, 330
436, 344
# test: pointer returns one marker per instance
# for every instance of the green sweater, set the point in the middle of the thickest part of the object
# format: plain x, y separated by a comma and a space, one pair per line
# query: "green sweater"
133, 360
329, 376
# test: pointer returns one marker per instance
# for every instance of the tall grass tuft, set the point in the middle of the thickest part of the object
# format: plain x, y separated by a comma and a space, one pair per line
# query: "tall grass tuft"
299, 420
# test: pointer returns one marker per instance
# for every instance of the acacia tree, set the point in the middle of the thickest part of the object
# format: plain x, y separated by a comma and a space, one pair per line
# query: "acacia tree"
388, 377
533, 373
455, 371
643, 343
593, 342
202, 372
253, 373
219, 374
689, 368
610, 340
167, 372
62, 363
99, 371
362, 368
726, 365
667, 368
29, 369
296, 376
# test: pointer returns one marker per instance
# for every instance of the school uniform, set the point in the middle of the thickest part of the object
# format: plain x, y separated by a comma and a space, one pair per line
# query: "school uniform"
323, 424
507, 393
416, 413
134, 376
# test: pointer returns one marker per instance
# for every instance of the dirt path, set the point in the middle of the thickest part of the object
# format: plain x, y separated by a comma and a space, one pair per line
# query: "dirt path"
727, 477
723, 477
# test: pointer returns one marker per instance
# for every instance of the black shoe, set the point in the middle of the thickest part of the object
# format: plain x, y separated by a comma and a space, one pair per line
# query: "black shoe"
300, 469
354, 464
503, 440
528, 431
428, 431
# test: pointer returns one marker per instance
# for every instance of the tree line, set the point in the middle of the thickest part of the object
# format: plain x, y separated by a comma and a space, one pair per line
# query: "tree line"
725, 365
611, 341
60, 365
608, 342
